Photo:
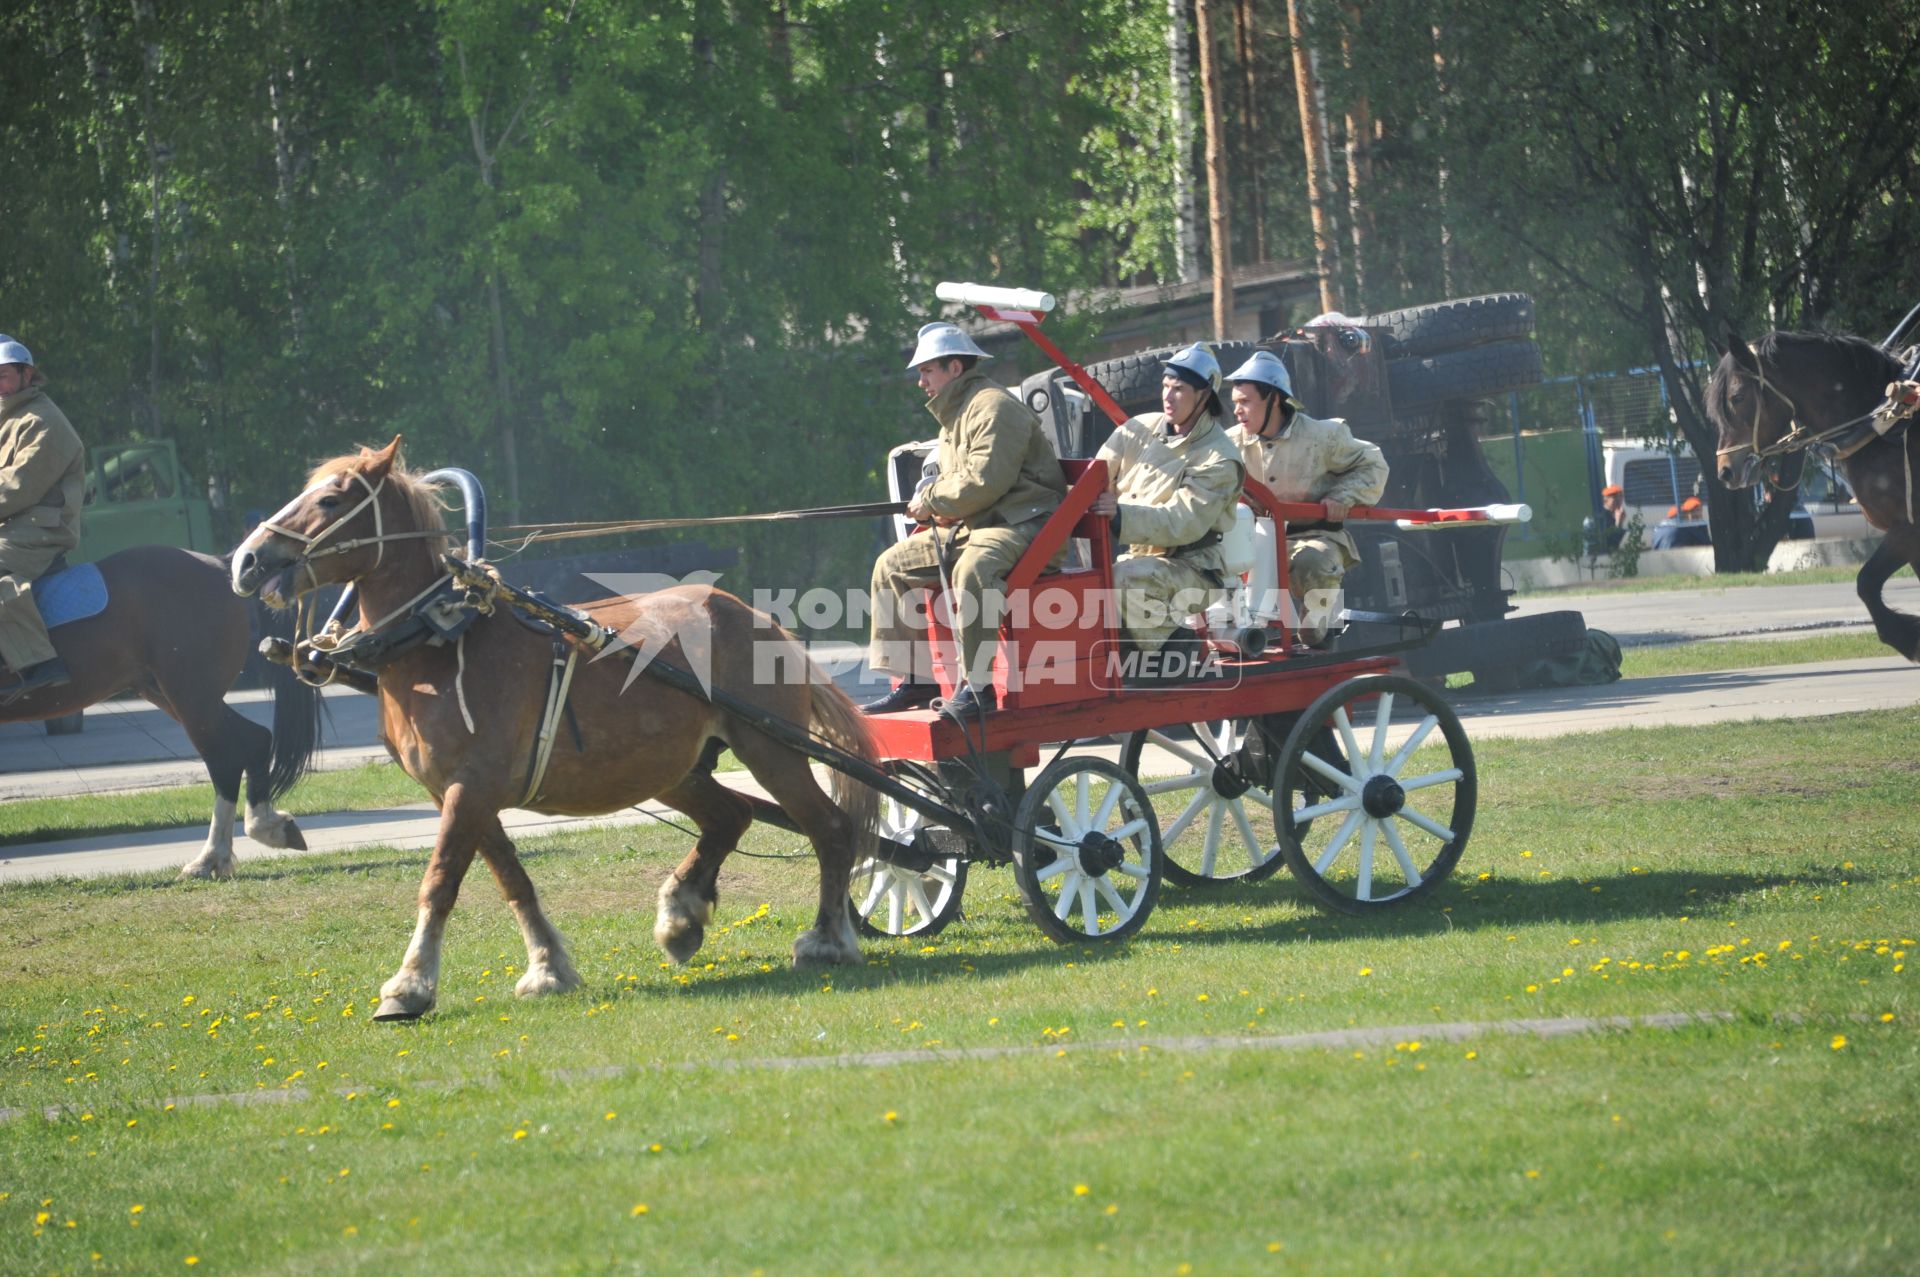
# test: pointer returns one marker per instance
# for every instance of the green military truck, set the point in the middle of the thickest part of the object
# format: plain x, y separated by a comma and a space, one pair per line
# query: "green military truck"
137, 495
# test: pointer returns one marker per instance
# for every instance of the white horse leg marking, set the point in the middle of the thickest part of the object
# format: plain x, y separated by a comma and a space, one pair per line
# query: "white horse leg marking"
548, 968
412, 989
271, 828
216, 858
681, 924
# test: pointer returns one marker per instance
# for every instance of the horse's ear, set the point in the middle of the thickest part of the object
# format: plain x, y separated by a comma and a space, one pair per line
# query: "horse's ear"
1742, 353
374, 465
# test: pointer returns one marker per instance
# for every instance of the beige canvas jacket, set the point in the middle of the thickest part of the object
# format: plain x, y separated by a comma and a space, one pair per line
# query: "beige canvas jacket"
996, 467
1173, 489
1315, 460
43, 473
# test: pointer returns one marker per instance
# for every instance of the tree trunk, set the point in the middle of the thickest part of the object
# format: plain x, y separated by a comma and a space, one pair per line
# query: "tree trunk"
1247, 48
1219, 216
149, 59
1440, 169
505, 416
1313, 137
1186, 229
1359, 165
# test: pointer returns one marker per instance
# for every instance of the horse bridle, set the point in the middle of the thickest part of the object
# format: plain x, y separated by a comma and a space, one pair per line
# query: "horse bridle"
379, 539
1787, 443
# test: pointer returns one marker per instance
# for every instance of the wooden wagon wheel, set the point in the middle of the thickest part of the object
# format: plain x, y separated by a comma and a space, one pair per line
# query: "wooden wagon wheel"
901, 900
1213, 797
1402, 794
1087, 851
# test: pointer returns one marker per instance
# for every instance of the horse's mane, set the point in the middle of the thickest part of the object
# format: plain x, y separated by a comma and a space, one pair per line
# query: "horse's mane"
425, 501
1851, 359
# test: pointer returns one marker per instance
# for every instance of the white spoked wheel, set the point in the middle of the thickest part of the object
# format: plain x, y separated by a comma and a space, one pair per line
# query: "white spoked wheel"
907, 899
1087, 851
1374, 793
1209, 784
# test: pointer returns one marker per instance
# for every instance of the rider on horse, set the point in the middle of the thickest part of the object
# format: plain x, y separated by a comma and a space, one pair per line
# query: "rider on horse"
42, 486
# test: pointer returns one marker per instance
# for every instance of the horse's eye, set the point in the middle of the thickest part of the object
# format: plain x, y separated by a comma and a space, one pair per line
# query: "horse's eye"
329, 502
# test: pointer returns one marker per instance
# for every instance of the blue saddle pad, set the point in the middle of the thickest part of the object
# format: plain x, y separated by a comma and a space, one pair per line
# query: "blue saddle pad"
72, 594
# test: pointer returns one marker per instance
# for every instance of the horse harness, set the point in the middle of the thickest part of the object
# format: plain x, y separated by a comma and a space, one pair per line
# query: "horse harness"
1889, 420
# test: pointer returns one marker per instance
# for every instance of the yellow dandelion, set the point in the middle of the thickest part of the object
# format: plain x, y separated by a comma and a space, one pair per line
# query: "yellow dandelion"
1366, 970
1533, 1174
192, 1260
520, 1134
639, 1209
1886, 1017
136, 1208
1113, 1208
1081, 1190
611, 1115
889, 1116
1839, 1042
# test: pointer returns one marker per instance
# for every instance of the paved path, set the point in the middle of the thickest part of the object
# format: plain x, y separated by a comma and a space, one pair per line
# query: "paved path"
132, 746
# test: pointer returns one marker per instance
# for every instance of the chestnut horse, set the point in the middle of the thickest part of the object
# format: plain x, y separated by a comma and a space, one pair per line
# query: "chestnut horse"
1821, 382
463, 720
172, 632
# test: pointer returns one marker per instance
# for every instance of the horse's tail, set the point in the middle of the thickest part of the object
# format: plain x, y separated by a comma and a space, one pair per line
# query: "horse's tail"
835, 717
296, 727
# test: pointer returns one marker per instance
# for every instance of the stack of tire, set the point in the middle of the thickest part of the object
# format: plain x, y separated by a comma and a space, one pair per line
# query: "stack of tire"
1444, 363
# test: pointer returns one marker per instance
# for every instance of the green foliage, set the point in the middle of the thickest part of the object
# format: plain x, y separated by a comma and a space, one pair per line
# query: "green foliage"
627, 260
1625, 559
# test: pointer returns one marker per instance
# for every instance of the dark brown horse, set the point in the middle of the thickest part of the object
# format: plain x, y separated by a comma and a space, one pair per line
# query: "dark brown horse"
1806, 385
463, 719
173, 632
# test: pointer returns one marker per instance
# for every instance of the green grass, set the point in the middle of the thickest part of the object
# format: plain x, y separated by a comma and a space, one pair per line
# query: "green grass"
1740, 654
369, 786
1842, 575
1766, 871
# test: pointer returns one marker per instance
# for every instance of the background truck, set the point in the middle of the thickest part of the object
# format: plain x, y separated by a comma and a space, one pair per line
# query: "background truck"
137, 495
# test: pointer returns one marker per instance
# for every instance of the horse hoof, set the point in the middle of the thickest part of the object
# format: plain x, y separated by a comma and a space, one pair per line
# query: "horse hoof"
681, 941
209, 871
539, 981
396, 1009
812, 949
279, 830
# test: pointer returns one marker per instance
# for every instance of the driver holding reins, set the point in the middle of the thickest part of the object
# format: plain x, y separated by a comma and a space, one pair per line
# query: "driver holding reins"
998, 481
43, 481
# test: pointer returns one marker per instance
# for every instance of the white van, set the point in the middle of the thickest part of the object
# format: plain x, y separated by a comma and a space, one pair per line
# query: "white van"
1655, 480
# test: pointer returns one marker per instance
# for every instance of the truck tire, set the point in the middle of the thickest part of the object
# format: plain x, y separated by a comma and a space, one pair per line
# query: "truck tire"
1134, 382
1495, 651
1477, 373
1454, 325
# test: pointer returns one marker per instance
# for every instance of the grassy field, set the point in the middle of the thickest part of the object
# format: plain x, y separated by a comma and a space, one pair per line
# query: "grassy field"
1718, 581
220, 1096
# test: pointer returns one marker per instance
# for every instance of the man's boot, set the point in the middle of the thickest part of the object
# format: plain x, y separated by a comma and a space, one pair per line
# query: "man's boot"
906, 694
46, 674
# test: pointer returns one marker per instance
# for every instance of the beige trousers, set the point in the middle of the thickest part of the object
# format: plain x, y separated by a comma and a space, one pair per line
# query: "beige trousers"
23, 634
978, 563
1157, 595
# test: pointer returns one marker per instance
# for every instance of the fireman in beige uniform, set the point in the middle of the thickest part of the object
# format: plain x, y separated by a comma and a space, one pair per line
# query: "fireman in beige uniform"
998, 481
1173, 481
1301, 458
42, 484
